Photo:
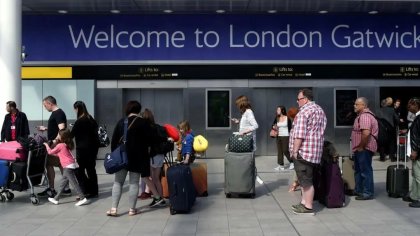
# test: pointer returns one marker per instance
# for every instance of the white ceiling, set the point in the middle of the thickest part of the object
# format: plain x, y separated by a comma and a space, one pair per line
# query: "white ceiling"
210, 6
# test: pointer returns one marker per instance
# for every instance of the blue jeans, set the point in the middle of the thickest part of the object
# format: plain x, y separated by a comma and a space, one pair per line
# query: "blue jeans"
363, 173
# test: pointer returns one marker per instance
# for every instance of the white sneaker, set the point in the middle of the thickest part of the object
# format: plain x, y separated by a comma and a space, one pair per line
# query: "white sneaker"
291, 166
84, 201
53, 201
278, 168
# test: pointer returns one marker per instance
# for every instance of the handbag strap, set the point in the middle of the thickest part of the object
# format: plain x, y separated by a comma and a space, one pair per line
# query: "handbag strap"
124, 137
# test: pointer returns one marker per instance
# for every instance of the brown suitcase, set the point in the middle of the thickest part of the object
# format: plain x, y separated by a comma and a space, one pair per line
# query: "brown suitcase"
164, 181
199, 174
348, 175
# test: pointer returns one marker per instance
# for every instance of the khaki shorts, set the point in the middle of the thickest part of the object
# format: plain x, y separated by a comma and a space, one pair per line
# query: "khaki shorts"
304, 171
53, 161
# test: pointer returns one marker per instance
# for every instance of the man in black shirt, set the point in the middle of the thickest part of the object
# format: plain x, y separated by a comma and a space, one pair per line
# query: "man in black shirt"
15, 124
56, 122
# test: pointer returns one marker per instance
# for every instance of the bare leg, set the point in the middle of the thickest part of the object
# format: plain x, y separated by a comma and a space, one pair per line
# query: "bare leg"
308, 196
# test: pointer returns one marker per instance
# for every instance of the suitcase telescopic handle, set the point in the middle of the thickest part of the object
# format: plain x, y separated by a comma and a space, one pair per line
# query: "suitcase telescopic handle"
14, 177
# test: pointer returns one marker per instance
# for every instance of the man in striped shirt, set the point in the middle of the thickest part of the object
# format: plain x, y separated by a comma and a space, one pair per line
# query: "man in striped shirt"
305, 145
363, 145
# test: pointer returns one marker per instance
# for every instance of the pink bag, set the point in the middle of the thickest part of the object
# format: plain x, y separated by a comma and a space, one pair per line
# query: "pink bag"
12, 151
274, 133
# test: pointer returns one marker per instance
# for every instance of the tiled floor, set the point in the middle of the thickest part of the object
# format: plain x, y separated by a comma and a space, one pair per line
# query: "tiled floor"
268, 214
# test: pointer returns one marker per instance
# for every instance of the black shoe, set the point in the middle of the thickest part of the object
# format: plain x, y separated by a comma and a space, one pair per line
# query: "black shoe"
88, 196
363, 198
407, 199
48, 192
66, 192
415, 204
156, 201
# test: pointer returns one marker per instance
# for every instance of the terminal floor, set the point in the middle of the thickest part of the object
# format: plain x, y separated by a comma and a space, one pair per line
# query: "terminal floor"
268, 214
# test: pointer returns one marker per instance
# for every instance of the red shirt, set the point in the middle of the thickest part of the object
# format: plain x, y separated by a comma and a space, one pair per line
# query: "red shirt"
13, 127
364, 121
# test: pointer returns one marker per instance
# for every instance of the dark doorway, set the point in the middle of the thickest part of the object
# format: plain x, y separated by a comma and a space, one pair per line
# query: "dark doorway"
403, 94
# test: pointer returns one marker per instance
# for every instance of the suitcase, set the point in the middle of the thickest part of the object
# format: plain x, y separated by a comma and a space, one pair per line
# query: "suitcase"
4, 173
397, 176
332, 186
240, 174
199, 174
348, 175
17, 176
347, 166
181, 189
164, 181
12, 151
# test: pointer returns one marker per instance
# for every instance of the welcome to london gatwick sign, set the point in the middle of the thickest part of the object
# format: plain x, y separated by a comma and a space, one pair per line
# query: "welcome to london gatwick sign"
215, 37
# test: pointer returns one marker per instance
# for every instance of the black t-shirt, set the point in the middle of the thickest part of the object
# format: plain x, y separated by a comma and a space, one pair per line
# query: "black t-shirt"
57, 117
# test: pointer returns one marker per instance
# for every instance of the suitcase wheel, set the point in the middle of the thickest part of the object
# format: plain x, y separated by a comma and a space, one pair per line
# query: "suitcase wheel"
394, 195
228, 195
9, 196
2, 198
205, 194
252, 195
34, 200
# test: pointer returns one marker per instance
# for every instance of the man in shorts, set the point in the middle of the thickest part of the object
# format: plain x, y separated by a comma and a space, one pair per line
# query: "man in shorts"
56, 122
305, 145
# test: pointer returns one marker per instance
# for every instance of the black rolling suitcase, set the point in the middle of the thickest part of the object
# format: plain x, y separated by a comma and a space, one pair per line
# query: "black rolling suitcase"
17, 176
181, 189
397, 176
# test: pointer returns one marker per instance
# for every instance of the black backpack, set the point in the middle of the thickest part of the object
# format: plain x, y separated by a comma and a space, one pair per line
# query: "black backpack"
384, 131
163, 146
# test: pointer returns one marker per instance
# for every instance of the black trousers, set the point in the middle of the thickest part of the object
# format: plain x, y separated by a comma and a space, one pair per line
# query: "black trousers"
86, 173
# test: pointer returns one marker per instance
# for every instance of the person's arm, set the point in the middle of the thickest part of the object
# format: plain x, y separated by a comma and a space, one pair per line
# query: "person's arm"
3, 129
53, 151
188, 148
297, 142
25, 125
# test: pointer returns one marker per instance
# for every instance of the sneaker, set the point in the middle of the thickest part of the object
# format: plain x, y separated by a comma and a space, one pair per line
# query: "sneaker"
304, 211
297, 206
48, 192
84, 201
279, 168
162, 203
156, 201
291, 166
145, 195
66, 192
53, 201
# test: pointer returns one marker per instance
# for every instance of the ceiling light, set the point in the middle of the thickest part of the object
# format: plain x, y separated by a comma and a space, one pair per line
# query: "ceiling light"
323, 12
272, 11
115, 11
220, 11
168, 11
373, 12
62, 11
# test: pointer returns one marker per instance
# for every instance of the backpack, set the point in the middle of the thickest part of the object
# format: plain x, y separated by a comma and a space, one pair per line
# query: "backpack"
163, 147
384, 131
103, 136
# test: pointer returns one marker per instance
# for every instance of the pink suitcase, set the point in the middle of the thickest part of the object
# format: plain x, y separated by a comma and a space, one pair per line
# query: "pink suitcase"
12, 151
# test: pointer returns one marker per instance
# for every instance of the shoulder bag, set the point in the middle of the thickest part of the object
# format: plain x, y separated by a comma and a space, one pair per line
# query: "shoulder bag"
117, 160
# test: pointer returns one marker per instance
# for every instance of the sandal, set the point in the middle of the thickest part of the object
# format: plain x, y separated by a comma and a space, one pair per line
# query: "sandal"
112, 212
294, 186
132, 212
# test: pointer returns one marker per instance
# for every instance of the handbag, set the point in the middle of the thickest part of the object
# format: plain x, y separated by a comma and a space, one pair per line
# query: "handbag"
274, 133
240, 143
117, 159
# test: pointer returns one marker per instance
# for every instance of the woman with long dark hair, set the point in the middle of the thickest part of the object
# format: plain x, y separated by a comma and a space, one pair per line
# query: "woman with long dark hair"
87, 144
283, 125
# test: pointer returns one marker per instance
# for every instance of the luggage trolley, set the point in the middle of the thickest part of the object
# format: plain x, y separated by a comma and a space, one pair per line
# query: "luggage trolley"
37, 161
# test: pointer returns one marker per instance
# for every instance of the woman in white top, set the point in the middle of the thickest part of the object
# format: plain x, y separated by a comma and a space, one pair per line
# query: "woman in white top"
283, 124
247, 124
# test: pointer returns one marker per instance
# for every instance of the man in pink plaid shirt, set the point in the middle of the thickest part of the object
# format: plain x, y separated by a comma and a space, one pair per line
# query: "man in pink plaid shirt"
305, 145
